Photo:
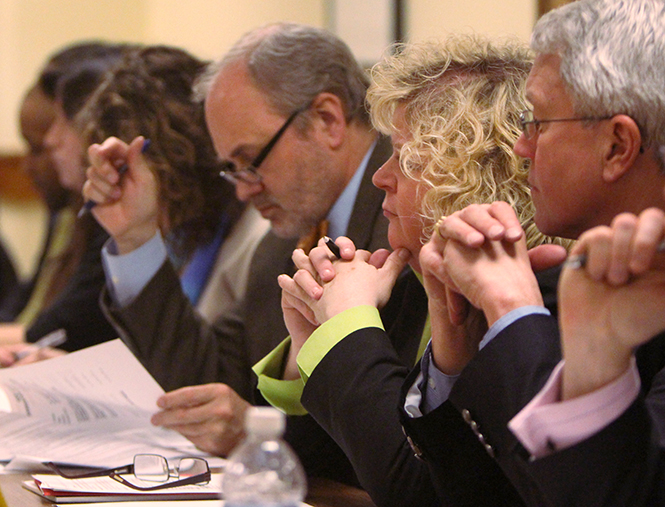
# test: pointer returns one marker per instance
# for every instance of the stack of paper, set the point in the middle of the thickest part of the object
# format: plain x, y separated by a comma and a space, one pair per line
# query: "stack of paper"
88, 408
105, 489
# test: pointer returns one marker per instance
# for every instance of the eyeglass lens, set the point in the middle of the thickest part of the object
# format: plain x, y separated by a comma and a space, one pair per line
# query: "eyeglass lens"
151, 468
155, 468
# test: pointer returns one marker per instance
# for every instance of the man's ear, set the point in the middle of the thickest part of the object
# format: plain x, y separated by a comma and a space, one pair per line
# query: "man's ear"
625, 147
329, 113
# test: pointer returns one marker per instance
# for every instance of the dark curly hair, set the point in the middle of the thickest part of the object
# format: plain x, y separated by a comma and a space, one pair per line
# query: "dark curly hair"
150, 94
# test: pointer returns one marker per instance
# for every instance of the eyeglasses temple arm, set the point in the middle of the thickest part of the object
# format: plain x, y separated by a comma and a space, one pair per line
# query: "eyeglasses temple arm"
127, 469
194, 479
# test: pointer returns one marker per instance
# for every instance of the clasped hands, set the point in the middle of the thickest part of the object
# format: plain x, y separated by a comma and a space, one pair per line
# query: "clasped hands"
608, 306
324, 286
614, 303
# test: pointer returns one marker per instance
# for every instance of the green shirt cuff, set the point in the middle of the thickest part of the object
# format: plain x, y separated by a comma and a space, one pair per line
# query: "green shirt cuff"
282, 394
285, 394
331, 332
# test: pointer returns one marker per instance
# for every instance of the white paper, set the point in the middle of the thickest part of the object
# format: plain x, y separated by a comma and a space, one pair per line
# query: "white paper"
162, 503
90, 408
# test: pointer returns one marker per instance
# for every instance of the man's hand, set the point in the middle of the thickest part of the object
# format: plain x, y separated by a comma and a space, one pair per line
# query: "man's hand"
614, 303
454, 343
480, 253
212, 416
495, 278
127, 205
477, 223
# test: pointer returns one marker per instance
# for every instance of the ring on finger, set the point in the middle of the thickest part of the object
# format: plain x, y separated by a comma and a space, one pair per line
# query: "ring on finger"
438, 225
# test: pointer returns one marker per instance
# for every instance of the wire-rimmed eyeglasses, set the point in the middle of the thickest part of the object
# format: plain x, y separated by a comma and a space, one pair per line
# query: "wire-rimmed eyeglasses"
249, 174
150, 468
531, 126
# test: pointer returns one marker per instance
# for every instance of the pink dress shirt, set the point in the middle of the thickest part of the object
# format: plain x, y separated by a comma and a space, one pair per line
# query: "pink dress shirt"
547, 424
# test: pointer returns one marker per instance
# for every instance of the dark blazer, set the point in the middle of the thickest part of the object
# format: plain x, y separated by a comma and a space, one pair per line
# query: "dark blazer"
9, 282
179, 349
620, 466
76, 307
354, 391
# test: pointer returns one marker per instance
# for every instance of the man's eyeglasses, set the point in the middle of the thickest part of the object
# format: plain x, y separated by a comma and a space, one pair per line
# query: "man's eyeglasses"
150, 468
531, 126
248, 174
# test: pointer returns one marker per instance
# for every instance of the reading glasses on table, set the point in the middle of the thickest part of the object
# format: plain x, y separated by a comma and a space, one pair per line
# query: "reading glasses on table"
150, 468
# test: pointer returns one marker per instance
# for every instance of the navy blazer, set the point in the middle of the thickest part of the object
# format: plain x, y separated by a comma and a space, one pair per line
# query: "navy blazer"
622, 465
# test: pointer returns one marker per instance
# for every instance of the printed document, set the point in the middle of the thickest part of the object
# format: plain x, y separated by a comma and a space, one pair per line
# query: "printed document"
88, 408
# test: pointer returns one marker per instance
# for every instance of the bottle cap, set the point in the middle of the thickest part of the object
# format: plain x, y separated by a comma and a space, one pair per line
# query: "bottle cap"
265, 421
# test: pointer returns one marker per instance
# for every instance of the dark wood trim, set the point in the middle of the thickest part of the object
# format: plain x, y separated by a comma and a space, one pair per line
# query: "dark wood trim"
547, 5
14, 184
398, 20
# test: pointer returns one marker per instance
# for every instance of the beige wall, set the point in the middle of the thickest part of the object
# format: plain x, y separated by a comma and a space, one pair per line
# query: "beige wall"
431, 18
30, 30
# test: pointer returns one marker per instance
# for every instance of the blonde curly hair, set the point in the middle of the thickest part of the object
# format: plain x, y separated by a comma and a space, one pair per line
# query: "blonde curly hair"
461, 100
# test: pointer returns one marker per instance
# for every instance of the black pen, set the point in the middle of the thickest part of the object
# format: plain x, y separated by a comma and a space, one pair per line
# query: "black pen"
579, 261
334, 249
88, 205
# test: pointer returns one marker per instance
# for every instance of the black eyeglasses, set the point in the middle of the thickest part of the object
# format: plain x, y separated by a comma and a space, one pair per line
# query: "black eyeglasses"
531, 126
248, 174
150, 468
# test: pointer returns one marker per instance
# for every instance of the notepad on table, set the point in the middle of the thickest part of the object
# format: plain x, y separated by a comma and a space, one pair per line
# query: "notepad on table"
104, 489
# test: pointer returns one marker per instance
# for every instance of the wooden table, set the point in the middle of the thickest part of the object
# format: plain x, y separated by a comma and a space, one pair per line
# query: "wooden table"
322, 493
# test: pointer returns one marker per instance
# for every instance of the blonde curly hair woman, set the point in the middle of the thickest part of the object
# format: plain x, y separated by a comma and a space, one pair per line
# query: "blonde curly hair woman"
359, 323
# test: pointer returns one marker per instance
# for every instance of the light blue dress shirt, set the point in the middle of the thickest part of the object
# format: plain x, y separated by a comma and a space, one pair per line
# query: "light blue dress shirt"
432, 387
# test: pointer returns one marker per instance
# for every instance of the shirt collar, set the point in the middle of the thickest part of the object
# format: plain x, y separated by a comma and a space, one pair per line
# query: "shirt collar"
340, 214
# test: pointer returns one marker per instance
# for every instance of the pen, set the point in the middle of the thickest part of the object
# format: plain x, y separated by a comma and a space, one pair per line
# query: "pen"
53, 339
579, 261
88, 205
334, 249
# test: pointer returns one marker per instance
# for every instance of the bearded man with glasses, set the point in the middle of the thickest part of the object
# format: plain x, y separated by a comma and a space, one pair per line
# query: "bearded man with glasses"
285, 110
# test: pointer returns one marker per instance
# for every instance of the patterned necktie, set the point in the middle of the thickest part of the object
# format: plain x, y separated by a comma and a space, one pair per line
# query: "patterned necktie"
309, 240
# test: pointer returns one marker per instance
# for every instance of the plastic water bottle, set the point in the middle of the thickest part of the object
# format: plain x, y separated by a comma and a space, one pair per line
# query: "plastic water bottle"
263, 470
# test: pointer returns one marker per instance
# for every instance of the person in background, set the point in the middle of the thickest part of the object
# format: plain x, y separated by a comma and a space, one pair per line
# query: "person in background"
64, 290
452, 110
285, 109
594, 434
209, 235
59, 255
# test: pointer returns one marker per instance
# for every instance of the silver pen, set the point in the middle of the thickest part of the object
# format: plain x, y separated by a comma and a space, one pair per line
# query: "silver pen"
579, 261
53, 339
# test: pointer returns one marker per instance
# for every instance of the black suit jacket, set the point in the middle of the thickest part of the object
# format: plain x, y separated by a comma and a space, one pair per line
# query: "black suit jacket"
620, 466
462, 468
354, 391
9, 282
179, 348
76, 308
